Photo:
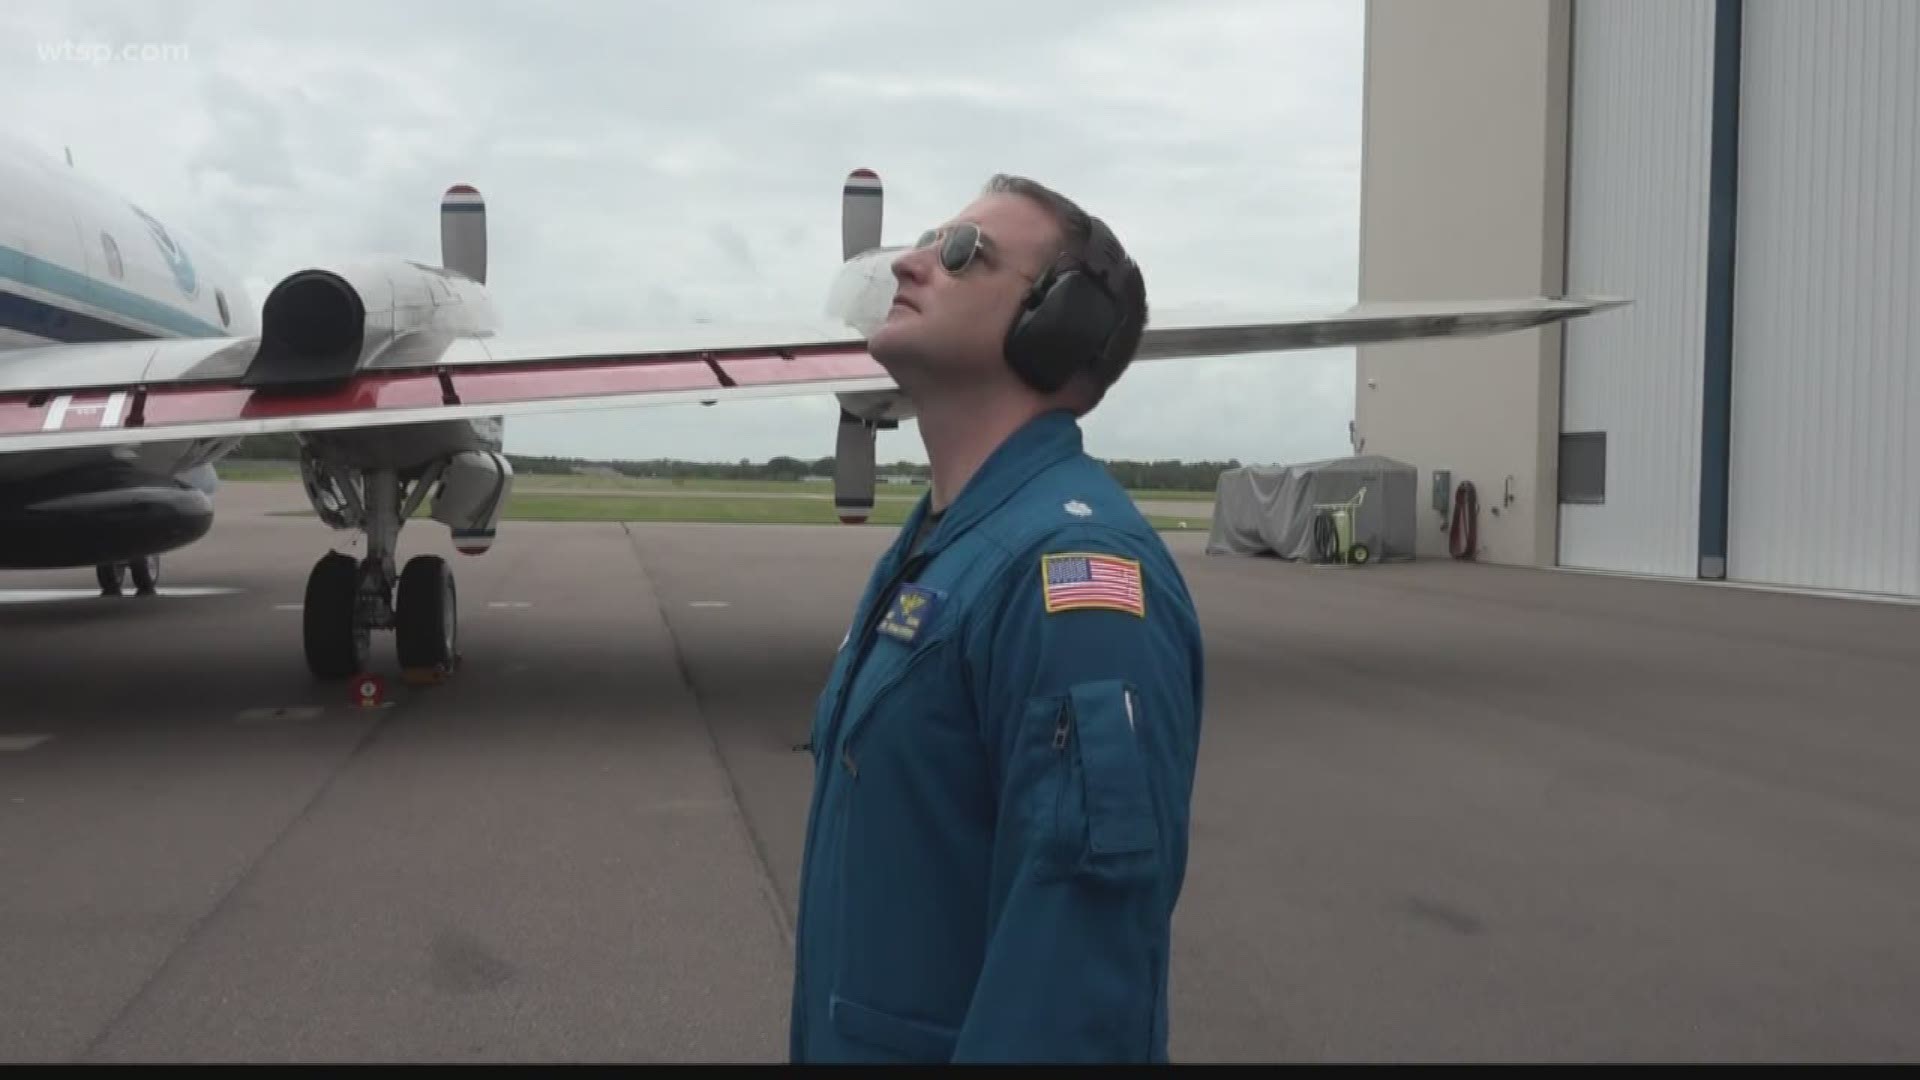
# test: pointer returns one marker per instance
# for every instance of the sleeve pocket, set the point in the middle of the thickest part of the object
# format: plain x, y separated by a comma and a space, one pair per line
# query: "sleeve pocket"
1118, 799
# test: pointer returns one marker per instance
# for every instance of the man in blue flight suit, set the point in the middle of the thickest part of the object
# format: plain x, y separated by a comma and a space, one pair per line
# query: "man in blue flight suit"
1004, 750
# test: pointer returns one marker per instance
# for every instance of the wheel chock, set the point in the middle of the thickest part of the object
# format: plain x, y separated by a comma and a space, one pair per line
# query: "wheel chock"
369, 692
430, 676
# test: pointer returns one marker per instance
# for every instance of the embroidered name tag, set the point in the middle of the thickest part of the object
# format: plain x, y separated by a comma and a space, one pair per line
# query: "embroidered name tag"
912, 610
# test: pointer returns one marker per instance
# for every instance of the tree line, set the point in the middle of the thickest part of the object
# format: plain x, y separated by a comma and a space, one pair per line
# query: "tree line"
1165, 475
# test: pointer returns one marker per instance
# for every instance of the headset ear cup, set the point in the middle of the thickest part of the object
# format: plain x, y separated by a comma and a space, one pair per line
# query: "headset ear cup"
1065, 324
1026, 345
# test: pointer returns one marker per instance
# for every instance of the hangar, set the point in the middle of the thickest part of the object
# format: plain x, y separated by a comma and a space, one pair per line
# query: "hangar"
1747, 172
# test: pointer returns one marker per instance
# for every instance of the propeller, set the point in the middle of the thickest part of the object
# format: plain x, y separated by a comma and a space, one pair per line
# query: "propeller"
463, 232
860, 206
853, 455
860, 213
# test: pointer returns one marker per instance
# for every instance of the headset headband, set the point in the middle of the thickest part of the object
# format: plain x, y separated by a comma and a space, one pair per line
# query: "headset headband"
1105, 261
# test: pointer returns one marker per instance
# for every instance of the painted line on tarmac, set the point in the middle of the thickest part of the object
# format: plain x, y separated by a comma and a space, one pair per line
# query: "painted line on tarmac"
278, 714
44, 596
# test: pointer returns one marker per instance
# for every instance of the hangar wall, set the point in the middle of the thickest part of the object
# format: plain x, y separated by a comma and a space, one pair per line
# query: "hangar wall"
1463, 190
1825, 484
1746, 172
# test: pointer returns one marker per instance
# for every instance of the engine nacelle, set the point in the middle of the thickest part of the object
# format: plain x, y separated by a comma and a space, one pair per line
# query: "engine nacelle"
473, 490
322, 324
98, 514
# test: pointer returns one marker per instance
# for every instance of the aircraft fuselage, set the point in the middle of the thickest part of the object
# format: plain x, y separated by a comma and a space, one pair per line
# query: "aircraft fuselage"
80, 263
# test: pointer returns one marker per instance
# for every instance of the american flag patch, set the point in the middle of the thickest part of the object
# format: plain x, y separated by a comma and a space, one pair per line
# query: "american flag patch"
1076, 581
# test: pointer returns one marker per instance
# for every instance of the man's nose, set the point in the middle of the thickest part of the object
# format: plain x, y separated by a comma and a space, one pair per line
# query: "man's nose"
911, 266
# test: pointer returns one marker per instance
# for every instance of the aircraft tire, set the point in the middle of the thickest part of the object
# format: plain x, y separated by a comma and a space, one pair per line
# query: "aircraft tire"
146, 574
427, 616
335, 647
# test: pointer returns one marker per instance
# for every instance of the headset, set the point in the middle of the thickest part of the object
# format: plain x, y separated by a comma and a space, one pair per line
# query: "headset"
1072, 317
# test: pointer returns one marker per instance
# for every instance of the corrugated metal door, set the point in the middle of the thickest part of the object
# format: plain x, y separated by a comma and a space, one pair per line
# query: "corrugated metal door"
1637, 226
1825, 481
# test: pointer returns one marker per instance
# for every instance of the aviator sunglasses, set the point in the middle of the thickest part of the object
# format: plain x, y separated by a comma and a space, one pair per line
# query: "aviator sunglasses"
959, 244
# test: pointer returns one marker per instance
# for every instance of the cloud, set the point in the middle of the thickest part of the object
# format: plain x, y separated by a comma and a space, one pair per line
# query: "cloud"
648, 163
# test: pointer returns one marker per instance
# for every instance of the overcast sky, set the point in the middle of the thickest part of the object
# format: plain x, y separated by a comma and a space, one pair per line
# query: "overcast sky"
656, 162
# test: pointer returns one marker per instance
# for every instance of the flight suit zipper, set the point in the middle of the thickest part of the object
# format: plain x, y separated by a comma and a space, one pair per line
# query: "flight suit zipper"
864, 645
846, 752
882, 601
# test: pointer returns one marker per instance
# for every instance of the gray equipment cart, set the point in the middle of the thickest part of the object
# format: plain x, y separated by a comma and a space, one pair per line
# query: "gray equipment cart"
1271, 509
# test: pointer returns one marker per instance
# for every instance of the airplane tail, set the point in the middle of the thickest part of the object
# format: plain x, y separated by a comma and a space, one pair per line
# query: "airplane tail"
463, 232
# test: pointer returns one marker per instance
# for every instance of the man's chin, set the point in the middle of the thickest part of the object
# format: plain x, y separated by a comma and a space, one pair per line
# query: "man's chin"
891, 343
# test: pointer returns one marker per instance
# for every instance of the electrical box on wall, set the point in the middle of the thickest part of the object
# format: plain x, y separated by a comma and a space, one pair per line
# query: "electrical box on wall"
1442, 487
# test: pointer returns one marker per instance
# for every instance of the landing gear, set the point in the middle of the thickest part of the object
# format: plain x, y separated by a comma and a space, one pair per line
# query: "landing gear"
113, 576
348, 599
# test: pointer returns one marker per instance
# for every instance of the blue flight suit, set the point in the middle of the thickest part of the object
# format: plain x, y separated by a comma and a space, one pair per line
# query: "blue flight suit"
998, 831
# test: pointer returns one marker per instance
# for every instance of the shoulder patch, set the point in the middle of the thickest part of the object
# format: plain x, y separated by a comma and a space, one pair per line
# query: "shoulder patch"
1086, 580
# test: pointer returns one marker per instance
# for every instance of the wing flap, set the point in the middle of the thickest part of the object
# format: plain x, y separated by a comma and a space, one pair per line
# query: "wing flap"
43, 420
852, 362
656, 343
509, 385
1370, 323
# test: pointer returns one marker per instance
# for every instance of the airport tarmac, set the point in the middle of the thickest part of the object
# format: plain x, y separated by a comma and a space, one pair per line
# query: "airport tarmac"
1444, 812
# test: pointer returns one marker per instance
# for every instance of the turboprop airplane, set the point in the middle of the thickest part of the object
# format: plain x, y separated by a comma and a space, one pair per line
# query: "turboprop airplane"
133, 362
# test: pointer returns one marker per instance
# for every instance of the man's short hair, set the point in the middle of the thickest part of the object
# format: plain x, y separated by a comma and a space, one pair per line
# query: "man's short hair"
1076, 228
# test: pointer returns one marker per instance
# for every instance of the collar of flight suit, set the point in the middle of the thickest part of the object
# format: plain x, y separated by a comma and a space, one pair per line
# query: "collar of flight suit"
1039, 444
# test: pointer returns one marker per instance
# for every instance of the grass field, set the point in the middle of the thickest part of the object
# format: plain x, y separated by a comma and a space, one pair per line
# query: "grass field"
755, 510
240, 470
543, 507
662, 491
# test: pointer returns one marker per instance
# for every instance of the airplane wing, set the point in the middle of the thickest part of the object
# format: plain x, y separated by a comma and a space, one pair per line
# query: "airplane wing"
117, 393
